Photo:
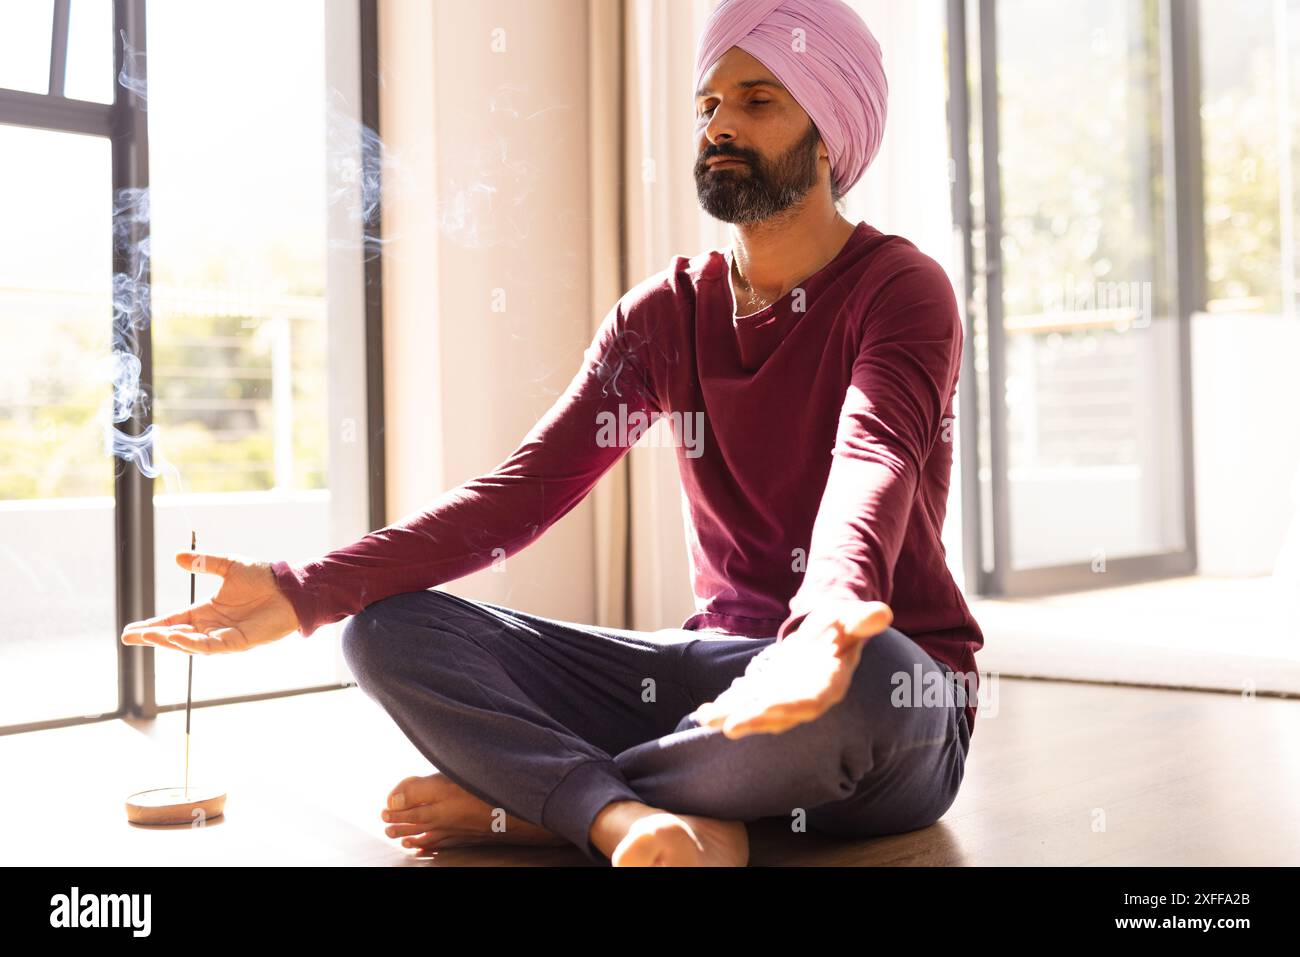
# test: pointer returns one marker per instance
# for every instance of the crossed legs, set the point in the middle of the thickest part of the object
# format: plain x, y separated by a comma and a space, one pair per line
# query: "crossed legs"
552, 722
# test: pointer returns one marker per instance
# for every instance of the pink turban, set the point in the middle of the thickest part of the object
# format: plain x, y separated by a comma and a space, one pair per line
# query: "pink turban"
832, 68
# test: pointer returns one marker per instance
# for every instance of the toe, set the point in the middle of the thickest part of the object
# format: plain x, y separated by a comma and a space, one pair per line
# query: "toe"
412, 791
425, 838
405, 830
399, 797
420, 814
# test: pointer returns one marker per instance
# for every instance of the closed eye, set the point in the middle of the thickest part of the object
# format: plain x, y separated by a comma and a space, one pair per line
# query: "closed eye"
751, 103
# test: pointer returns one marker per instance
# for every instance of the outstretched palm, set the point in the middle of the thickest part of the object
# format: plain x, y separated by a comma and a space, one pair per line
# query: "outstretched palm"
247, 610
799, 678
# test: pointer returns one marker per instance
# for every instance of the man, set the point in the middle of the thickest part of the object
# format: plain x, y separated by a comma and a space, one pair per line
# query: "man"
824, 677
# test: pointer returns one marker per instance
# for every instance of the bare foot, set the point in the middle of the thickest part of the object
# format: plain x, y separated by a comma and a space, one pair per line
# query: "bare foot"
434, 812
644, 836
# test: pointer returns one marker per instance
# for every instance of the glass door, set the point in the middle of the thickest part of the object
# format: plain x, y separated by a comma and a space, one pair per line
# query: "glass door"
1078, 344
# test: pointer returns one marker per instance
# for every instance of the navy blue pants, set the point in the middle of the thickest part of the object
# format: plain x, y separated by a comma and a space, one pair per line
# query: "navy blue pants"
552, 720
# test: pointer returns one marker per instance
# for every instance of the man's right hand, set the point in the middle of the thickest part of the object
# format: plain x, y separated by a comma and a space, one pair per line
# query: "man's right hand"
248, 610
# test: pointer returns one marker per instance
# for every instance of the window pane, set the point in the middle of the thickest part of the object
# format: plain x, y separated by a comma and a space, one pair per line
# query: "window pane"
1091, 347
26, 27
90, 51
245, 379
1242, 110
58, 644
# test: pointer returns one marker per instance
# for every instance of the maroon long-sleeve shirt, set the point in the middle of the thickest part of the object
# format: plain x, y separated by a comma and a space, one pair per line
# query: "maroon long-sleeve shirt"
813, 439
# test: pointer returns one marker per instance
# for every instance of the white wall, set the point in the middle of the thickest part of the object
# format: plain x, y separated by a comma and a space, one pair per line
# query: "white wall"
1247, 442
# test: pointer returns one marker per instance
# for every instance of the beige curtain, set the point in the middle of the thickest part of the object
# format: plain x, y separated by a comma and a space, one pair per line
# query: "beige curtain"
489, 232
644, 212
608, 283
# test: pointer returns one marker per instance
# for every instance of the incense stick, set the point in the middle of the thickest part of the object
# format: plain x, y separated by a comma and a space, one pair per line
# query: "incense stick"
189, 687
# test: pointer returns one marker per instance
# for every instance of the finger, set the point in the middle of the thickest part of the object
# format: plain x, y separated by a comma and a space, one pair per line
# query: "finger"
189, 640
783, 714
172, 642
704, 718
739, 724
869, 620
203, 643
768, 725
774, 709
711, 714
159, 637
183, 617
718, 717
745, 729
174, 630
146, 635
705, 708
204, 562
745, 690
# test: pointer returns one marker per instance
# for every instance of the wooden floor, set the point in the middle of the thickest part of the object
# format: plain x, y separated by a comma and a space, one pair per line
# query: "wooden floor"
1059, 773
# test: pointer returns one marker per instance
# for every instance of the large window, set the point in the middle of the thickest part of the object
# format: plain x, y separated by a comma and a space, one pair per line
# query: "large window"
56, 483
1127, 171
1251, 114
187, 204
1079, 343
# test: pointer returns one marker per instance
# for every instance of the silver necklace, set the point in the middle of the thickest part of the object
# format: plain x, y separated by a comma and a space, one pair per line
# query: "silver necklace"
754, 302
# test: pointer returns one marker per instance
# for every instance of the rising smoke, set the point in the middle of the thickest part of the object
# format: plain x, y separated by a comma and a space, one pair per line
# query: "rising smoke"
358, 164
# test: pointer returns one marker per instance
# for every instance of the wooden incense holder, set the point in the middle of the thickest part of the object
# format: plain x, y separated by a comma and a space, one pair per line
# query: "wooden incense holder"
171, 806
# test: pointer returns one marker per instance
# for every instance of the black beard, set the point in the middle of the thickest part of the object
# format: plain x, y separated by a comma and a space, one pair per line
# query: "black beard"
759, 191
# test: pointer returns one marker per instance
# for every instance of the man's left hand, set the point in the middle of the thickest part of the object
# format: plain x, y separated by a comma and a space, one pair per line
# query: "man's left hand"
799, 678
